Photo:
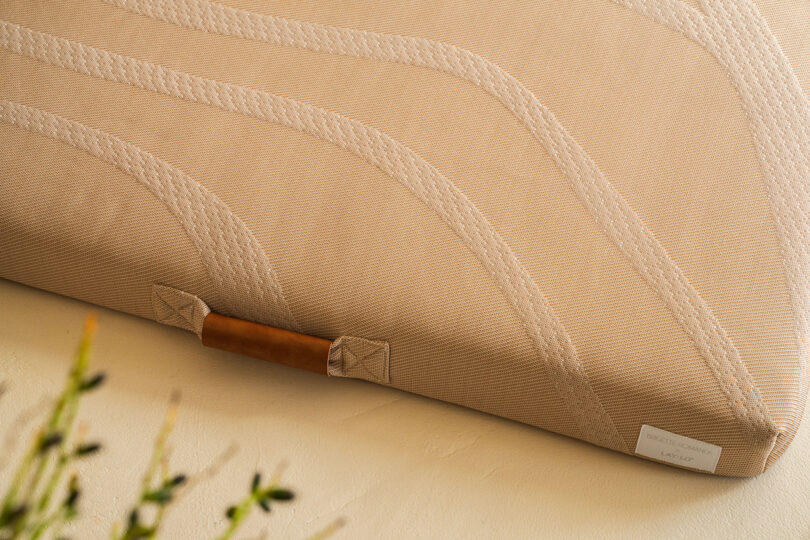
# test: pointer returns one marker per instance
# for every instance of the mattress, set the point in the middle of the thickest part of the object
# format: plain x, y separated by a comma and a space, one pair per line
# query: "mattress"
589, 216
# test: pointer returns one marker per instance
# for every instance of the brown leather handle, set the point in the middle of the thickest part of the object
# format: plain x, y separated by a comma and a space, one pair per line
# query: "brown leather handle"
266, 342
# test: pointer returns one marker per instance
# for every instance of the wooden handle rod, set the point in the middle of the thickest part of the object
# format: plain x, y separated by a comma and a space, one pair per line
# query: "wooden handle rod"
266, 342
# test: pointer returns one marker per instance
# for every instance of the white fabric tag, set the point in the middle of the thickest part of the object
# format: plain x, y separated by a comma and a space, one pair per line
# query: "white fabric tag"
676, 449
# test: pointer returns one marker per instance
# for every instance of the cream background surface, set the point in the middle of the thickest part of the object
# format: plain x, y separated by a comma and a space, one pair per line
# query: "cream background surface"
393, 464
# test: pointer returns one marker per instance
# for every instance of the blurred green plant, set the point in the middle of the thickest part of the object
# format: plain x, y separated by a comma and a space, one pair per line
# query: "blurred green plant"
31, 508
27, 510
260, 496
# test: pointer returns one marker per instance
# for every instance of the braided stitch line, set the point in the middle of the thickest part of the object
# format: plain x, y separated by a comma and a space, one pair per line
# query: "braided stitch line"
439, 194
621, 224
208, 222
778, 112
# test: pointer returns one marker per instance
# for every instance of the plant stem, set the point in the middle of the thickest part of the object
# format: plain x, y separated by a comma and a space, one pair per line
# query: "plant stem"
157, 459
241, 512
161, 511
53, 481
160, 443
46, 523
60, 422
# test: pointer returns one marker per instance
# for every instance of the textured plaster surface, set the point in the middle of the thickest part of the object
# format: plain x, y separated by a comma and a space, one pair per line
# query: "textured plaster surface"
394, 465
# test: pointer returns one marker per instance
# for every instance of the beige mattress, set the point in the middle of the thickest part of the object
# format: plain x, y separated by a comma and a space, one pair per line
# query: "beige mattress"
591, 216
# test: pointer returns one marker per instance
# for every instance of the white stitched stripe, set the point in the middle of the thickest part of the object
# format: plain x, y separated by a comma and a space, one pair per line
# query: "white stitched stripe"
607, 206
735, 33
209, 223
439, 194
780, 121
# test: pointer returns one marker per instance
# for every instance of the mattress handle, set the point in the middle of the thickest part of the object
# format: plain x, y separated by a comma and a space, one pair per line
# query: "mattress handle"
266, 342
347, 356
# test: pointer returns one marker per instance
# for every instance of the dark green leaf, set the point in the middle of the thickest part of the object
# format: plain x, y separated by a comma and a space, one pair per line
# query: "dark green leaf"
87, 449
73, 492
160, 496
280, 494
9, 516
230, 512
49, 441
264, 504
254, 485
177, 480
92, 383
73, 496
